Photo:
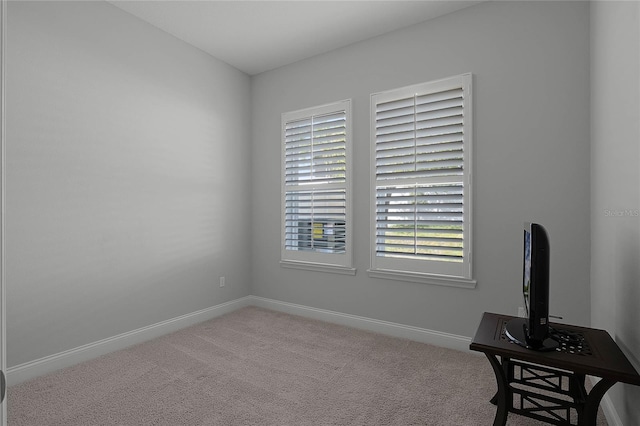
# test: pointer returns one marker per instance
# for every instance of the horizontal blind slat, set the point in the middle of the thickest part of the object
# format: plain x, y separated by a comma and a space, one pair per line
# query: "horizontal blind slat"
436, 97
394, 105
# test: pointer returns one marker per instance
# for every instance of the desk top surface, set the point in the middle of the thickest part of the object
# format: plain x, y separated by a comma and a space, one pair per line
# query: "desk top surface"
601, 356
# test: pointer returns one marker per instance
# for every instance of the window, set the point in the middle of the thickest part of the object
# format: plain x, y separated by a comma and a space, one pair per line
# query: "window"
421, 182
316, 212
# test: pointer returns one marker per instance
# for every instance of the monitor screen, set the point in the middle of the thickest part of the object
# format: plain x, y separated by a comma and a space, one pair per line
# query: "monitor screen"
533, 331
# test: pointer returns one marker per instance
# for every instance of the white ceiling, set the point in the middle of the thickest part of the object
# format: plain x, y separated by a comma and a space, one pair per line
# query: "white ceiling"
257, 36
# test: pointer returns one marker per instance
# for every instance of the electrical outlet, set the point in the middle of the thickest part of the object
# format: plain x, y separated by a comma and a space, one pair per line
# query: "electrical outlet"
521, 312
222, 282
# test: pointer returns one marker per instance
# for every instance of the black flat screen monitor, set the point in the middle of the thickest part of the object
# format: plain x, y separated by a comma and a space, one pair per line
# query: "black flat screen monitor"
533, 330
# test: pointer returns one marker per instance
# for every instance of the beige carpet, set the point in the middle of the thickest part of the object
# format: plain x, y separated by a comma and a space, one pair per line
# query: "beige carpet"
260, 367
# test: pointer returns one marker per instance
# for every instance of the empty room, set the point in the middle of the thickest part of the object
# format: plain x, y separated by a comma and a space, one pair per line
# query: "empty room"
312, 212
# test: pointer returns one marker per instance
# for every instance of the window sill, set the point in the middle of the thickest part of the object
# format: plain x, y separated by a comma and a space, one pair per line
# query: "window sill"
318, 267
417, 277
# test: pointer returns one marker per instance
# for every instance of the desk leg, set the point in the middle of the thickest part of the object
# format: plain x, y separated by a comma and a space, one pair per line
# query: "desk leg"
501, 397
590, 411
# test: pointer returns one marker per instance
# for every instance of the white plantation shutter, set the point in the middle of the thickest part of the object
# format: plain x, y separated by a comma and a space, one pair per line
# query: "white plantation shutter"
316, 215
422, 221
316, 220
421, 158
420, 136
315, 150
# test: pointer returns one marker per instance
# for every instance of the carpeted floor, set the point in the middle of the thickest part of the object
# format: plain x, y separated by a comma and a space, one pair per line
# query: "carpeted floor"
260, 367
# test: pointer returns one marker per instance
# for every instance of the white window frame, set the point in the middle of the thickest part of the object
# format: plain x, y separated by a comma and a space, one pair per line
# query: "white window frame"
458, 274
340, 263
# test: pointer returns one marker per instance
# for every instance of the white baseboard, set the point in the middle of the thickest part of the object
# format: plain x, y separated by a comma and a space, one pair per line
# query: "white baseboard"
51, 363
423, 335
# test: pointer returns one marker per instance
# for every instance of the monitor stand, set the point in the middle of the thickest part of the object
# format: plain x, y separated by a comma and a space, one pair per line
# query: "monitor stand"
516, 331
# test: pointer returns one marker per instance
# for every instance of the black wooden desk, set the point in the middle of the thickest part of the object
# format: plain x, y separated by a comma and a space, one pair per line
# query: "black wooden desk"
550, 386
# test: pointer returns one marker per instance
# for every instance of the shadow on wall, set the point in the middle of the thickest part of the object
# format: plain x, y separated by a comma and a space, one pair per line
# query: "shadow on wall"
631, 398
627, 281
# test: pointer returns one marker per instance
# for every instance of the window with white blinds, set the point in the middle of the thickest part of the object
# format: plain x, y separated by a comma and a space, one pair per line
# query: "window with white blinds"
316, 189
421, 181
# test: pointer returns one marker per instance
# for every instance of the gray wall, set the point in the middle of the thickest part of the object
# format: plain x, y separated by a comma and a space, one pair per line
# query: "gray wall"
530, 62
128, 190
127, 184
615, 180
